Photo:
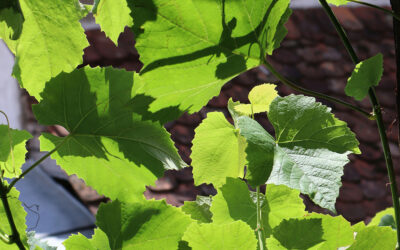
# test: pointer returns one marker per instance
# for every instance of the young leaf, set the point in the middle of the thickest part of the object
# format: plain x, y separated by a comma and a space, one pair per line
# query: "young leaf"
260, 150
108, 146
10, 27
379, 238
11, 161
235, 235
217, 151
199, 209
51, 42
235, 202
146, 225
366, 74
19, 214
260, 98
313, 148
113, 16
191, 48
99, 241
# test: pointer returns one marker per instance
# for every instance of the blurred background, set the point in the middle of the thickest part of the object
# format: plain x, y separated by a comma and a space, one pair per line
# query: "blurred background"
311, 55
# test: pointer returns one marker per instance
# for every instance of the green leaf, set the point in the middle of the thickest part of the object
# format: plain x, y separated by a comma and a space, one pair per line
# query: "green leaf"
235, 235
108, 146
113, 16
217, 151
260, 98
388, 221
10, 27
303, 233
338, 2
313, 148
375, 238
378, 216
366, 74
51, 42
235, 202
147, 225
260, 151
11, 161
199, 209
99, 241
190, 49
19, 214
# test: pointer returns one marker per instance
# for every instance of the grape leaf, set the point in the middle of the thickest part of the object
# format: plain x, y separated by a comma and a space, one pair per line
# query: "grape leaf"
146, 225
235, 235
378, 216
12, 161
113, 16
19, 214
108, 145
99, 241
260, 151
313, 148
199, 209
366, 74
10, 27
217, 151
51, 35
375, 238
235, 202
338, 2
260, 98
191, 48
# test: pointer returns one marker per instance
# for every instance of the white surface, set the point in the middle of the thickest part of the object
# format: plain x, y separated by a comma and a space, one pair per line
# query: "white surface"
51, 209
315, 3
9, 89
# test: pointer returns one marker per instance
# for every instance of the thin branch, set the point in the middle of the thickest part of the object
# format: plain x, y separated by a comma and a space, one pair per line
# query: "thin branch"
392, 13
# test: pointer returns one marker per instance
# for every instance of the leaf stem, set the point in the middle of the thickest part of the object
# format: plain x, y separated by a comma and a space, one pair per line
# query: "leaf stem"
14, 237
392, 13
260, 229
377, 112
36, 164
315, 94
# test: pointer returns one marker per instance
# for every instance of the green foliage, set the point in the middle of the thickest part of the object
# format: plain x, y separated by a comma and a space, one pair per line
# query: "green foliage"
191, 48
199, 209
379, 216
313, 148
217, 151
235, 202
260, 98
338, 2
375, 238
48, 47
366, 74
12, 150
18, 214
113, 16
234, 235
108, 144
10, 27
146, 225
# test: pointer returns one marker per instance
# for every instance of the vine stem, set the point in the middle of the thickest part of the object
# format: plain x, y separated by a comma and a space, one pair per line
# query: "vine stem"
392, 13
315, 94
260, 229
14, 237
35, 164
378, 114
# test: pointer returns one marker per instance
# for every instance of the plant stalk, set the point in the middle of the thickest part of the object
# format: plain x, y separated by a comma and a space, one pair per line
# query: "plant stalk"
315, 94
14, 237
392, 13
378, 115
35, 164
260, 228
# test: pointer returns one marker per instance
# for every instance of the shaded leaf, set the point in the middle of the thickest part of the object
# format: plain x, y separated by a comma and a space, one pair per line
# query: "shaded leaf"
366, 74
108, 146
190, 49
199, 209
10, 27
